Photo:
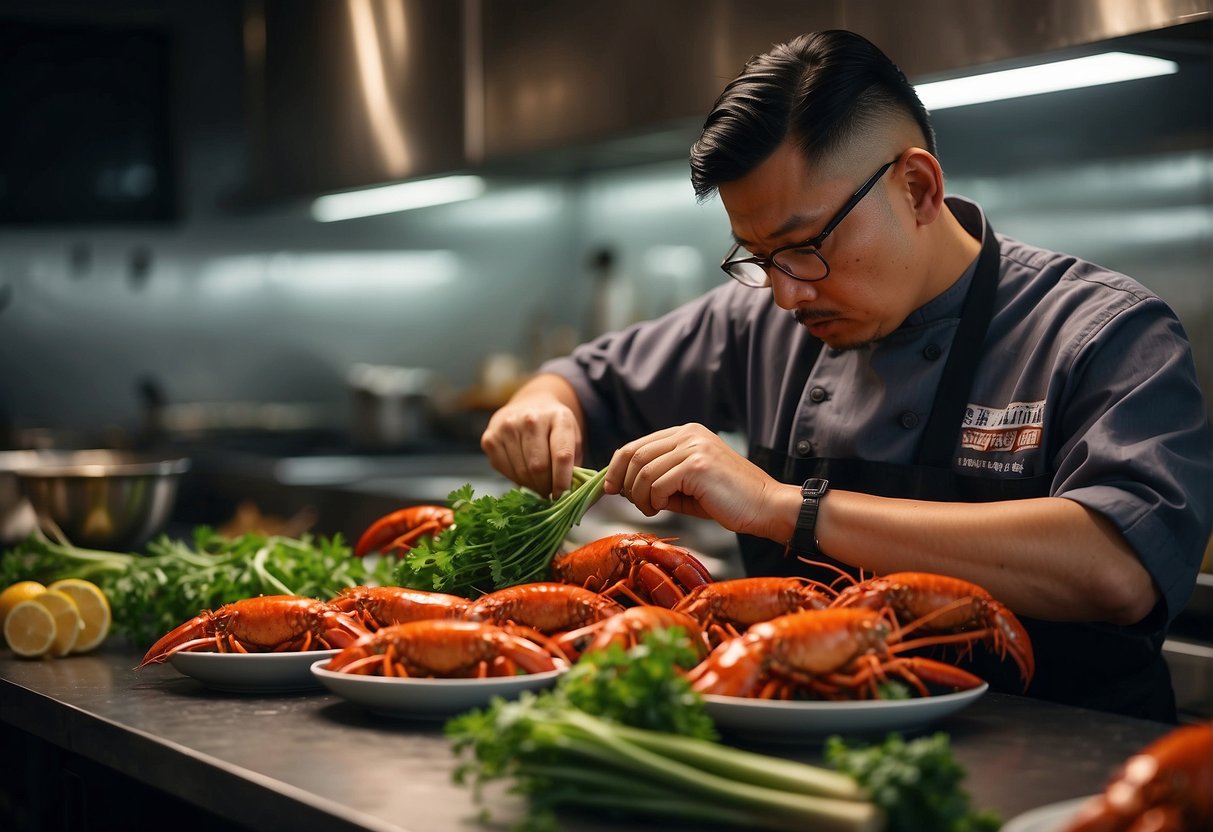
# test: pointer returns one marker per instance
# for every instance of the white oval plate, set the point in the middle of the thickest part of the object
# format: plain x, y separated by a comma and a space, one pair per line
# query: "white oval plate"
773, 719
1050, 818
252, 672
426, 698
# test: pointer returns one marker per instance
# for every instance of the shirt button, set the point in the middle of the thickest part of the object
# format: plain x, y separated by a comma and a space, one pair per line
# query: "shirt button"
931, 352
909, 420
818, 395
804, 447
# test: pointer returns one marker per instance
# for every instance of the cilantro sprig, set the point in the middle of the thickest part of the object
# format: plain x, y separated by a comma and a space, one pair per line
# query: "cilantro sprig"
497, 542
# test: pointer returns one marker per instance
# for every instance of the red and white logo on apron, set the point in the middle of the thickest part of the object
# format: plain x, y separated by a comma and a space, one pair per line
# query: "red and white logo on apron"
1017, 427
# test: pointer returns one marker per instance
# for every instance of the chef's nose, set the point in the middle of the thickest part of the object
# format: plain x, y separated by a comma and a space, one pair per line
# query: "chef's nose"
790, 292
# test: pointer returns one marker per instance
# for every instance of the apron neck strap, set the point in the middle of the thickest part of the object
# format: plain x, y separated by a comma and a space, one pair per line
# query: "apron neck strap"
947, 412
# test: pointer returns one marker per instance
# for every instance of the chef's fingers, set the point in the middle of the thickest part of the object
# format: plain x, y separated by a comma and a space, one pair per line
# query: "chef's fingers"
640, 462
534, 462
564, 451
515, 461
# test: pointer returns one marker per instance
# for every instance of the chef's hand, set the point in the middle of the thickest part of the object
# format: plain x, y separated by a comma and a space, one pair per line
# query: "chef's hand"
691, 470
535, 437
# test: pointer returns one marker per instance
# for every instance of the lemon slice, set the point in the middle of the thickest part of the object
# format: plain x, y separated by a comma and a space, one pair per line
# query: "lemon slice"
30, 629
67, 620
15, 594
94, 609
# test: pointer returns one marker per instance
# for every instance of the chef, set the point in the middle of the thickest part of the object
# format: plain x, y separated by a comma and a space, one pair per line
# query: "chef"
918, 392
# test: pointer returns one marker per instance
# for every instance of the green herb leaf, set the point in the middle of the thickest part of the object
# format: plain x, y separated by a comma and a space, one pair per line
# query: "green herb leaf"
497, 542
153, 593
917, 783
641, 686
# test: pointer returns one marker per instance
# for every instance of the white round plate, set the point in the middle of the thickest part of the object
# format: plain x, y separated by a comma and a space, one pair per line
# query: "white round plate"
252, 672
426, 698
1050, 818
792, 720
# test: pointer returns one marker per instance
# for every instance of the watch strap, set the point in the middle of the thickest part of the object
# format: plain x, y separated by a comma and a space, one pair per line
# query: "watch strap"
804, 538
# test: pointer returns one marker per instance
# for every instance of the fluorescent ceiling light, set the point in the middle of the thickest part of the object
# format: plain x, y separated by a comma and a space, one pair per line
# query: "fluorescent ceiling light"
1091, 71
391, 198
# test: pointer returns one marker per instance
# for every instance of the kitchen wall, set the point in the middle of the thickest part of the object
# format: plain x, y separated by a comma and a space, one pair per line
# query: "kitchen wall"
258, 303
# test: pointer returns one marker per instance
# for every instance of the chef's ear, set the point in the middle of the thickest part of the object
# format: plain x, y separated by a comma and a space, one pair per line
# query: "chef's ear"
923, 177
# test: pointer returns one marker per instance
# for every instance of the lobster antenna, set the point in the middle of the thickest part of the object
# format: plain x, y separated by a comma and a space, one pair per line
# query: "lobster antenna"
829, 567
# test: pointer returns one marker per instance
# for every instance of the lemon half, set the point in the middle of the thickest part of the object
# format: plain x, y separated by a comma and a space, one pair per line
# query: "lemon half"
15, 594
67, 620
30, 629
94, 610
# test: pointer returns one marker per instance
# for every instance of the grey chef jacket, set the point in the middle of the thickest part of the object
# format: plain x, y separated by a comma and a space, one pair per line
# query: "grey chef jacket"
1085, 383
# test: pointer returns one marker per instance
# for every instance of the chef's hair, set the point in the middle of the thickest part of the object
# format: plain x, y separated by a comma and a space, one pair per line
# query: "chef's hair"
821, 89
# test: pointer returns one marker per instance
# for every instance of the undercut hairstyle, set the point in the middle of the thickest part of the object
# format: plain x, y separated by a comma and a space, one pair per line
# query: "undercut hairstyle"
822, 89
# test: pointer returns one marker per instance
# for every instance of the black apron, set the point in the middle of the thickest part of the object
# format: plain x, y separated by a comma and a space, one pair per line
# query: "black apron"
1090, 665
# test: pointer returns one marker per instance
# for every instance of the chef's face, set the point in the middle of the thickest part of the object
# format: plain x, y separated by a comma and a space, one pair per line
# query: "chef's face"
873, 284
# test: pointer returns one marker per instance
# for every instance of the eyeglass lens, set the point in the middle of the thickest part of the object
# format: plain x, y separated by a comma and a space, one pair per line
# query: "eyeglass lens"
803, 262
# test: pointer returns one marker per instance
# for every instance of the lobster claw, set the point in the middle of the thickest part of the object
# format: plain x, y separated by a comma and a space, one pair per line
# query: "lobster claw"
193, 633
916, 670
642, 567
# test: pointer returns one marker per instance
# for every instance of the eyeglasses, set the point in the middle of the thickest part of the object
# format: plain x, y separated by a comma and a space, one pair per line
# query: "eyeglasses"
802, 261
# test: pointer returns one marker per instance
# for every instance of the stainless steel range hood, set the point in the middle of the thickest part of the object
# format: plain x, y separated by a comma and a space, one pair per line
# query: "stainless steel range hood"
358, 92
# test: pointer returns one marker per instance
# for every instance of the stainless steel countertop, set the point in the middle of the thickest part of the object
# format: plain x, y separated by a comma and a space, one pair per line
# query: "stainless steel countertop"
315, 761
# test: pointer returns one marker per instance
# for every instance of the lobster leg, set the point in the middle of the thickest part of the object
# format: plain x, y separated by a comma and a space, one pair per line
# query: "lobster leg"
967, 638
665, 577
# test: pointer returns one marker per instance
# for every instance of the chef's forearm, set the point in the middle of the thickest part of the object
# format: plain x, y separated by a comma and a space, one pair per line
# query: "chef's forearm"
1049, 557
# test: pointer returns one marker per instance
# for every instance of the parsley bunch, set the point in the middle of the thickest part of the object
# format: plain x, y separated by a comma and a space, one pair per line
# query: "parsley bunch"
152, 593
497, 542
639, 686
917, 783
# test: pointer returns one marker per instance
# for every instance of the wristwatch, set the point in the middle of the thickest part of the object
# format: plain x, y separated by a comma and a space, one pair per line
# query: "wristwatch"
804, 538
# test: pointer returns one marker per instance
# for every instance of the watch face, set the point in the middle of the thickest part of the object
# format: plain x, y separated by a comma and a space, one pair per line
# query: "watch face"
814, 487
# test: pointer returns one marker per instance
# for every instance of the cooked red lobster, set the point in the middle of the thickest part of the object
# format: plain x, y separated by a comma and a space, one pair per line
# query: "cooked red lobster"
641, 568
725, 609
381, 606
269, 623
826, 654
443, 648
954, 610
1165, 787
549, 607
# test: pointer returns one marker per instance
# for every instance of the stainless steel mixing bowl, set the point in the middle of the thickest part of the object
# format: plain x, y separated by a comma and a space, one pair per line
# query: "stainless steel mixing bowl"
17, 518
102, 499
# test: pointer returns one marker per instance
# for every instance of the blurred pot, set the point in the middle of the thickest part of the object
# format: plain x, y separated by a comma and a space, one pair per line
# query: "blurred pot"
393, 406
102, 499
